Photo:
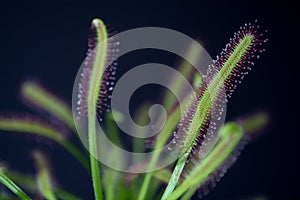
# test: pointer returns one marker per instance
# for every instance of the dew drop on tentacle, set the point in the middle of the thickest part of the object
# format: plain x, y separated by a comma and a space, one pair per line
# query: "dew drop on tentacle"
242, 67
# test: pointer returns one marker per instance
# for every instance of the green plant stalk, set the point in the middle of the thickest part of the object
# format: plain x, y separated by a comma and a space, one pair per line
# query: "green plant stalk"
109, 178
163, 137
161, 140
36, 128
230, 136
45, 187
167, 130
95, 168
206, 102
47, 101
138, 146
115, 187
29, 183
188, 195
175, 176
153, 192
112, 177
44, 182
13, 187
94, 87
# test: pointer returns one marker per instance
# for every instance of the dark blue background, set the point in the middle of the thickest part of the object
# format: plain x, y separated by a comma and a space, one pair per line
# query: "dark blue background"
48, 41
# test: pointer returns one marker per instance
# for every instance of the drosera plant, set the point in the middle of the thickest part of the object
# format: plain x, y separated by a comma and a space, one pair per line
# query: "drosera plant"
227, 70
192, 171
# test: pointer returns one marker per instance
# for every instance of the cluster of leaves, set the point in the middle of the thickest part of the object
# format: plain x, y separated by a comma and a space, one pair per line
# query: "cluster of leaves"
191, 173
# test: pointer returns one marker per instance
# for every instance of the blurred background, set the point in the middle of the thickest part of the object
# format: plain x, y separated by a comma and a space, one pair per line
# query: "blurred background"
47, 41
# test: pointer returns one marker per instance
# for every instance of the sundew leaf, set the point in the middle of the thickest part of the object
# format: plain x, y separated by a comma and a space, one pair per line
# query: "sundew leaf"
34, 126
94, 84
42, 98
226, 72
97, 80
98, 70
31, 125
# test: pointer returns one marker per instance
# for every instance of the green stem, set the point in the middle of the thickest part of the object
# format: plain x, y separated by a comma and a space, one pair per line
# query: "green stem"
188, 195
110, 183
13, 187
161, 140
28, 182
145, 185
93, 160
230, 136
93, 94
172, 120
175, 176
148, 176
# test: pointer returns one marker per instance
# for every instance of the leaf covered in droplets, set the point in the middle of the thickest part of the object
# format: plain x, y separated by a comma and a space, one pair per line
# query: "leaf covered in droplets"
239, 55
197, 132
108, 65
199, 124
